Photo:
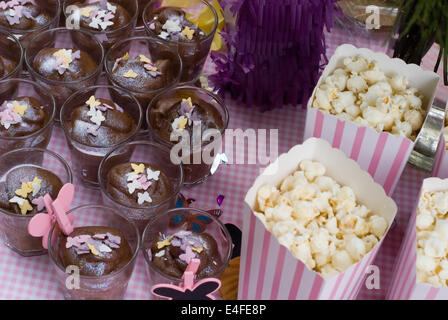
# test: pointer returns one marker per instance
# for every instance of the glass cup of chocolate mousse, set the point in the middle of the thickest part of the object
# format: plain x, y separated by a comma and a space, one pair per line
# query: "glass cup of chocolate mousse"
140, 180
109, 21
94, 124
27, 18
11, 61
144, 66
102, 250
176, 236
178, 27
26, 175
64, 61
191, 122
26, 115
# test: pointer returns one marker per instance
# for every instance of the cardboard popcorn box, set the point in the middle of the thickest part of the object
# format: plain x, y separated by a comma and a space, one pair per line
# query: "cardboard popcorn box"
383, 155
404, 281
269, 270
440, 168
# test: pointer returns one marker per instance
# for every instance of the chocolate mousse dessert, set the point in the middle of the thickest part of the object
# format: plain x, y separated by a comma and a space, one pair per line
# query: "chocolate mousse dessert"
97, 123
64, 64
172, 254
21, 192
97, 251
23, 15
138, 185
22, 117
176, 114
171, 24
6, 66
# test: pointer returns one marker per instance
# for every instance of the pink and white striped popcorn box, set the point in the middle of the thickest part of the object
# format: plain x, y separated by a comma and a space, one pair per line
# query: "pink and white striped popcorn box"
404, 280
440, 168
383, 155
268, 270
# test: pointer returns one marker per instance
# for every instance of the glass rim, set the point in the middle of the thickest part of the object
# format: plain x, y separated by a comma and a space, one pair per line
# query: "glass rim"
22, 53
116, 211
53, 154
24, 32
149, 39
73, 95
150, 144
226, 232
52, 103
133, 19
31, 70
208, 37
218, 99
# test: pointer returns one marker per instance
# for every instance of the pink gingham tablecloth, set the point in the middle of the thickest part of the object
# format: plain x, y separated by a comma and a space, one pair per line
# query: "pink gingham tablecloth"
32, 278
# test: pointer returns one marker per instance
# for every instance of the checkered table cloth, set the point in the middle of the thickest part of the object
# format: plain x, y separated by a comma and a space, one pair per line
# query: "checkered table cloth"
32, 278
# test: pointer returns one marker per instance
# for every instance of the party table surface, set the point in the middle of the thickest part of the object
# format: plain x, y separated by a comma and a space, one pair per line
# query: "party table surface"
32, 277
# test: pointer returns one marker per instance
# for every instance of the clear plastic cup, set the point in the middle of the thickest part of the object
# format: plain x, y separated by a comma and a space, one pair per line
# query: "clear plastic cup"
14, 227
111, 286
41, 137
193, 54
141, 152
67, 39
11, 49
195, 172
163, 223
153, 49
109, 37
86, 158
52, 7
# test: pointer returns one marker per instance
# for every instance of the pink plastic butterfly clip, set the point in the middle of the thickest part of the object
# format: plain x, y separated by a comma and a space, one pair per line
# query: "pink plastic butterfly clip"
41, 223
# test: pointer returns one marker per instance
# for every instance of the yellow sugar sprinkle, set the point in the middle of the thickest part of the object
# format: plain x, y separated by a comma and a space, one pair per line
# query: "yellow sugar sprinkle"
188, 32
190, 103
23, 192
198, 250
182, 124
140, 168
93, 249
25, 207
86, 12
126, 56
164, 243
130, 74
144, 59
93, 102
19, 108
205, 246
66, 58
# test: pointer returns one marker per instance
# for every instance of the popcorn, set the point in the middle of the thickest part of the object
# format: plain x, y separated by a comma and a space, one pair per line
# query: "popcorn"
318, 220
362, 93
432, 239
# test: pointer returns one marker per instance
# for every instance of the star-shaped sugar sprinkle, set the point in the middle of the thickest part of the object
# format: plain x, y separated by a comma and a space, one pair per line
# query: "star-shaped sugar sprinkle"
152, 175
86, 11
164, 243
93, 249
179, 123
144, 59
172, 25
24, 190
133, 185
39, 203
138, 168
188, 32
20, 201
92, 102
143, 197
19, 108
188, 255
111, 7
130, 74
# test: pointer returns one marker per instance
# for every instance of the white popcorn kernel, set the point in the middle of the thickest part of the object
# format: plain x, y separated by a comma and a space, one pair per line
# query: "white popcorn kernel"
267, 196
341, 260
398, 83
282, 212
356, 64
400, 102
357, 84
300, 179
319, 241
304, 211
435, 281
322, 99
307, 192
321, 202
442, 229
414, 101
286, 240
373, 76
443, 275
402, 129
327, 184
328, 271
353, 111
344, 100
425, 264
414, 118
281, 228
434, 247
345, 116
338, 79
370, 241
356, 248
378, 226
361, 211
424, 221
373, 116
288, 184
440, 200
301, 250
362, 228
312, 169
362, 122
332, 225
348, 223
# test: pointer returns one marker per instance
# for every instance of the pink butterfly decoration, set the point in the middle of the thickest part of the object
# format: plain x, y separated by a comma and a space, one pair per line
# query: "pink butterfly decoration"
41, 223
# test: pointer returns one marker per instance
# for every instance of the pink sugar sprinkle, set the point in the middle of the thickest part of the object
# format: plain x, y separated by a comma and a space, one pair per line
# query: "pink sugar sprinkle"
76, 55
39, 202
108, 16
144, 182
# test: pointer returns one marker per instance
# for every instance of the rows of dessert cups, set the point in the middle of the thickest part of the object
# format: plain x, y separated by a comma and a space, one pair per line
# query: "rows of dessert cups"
36, 156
